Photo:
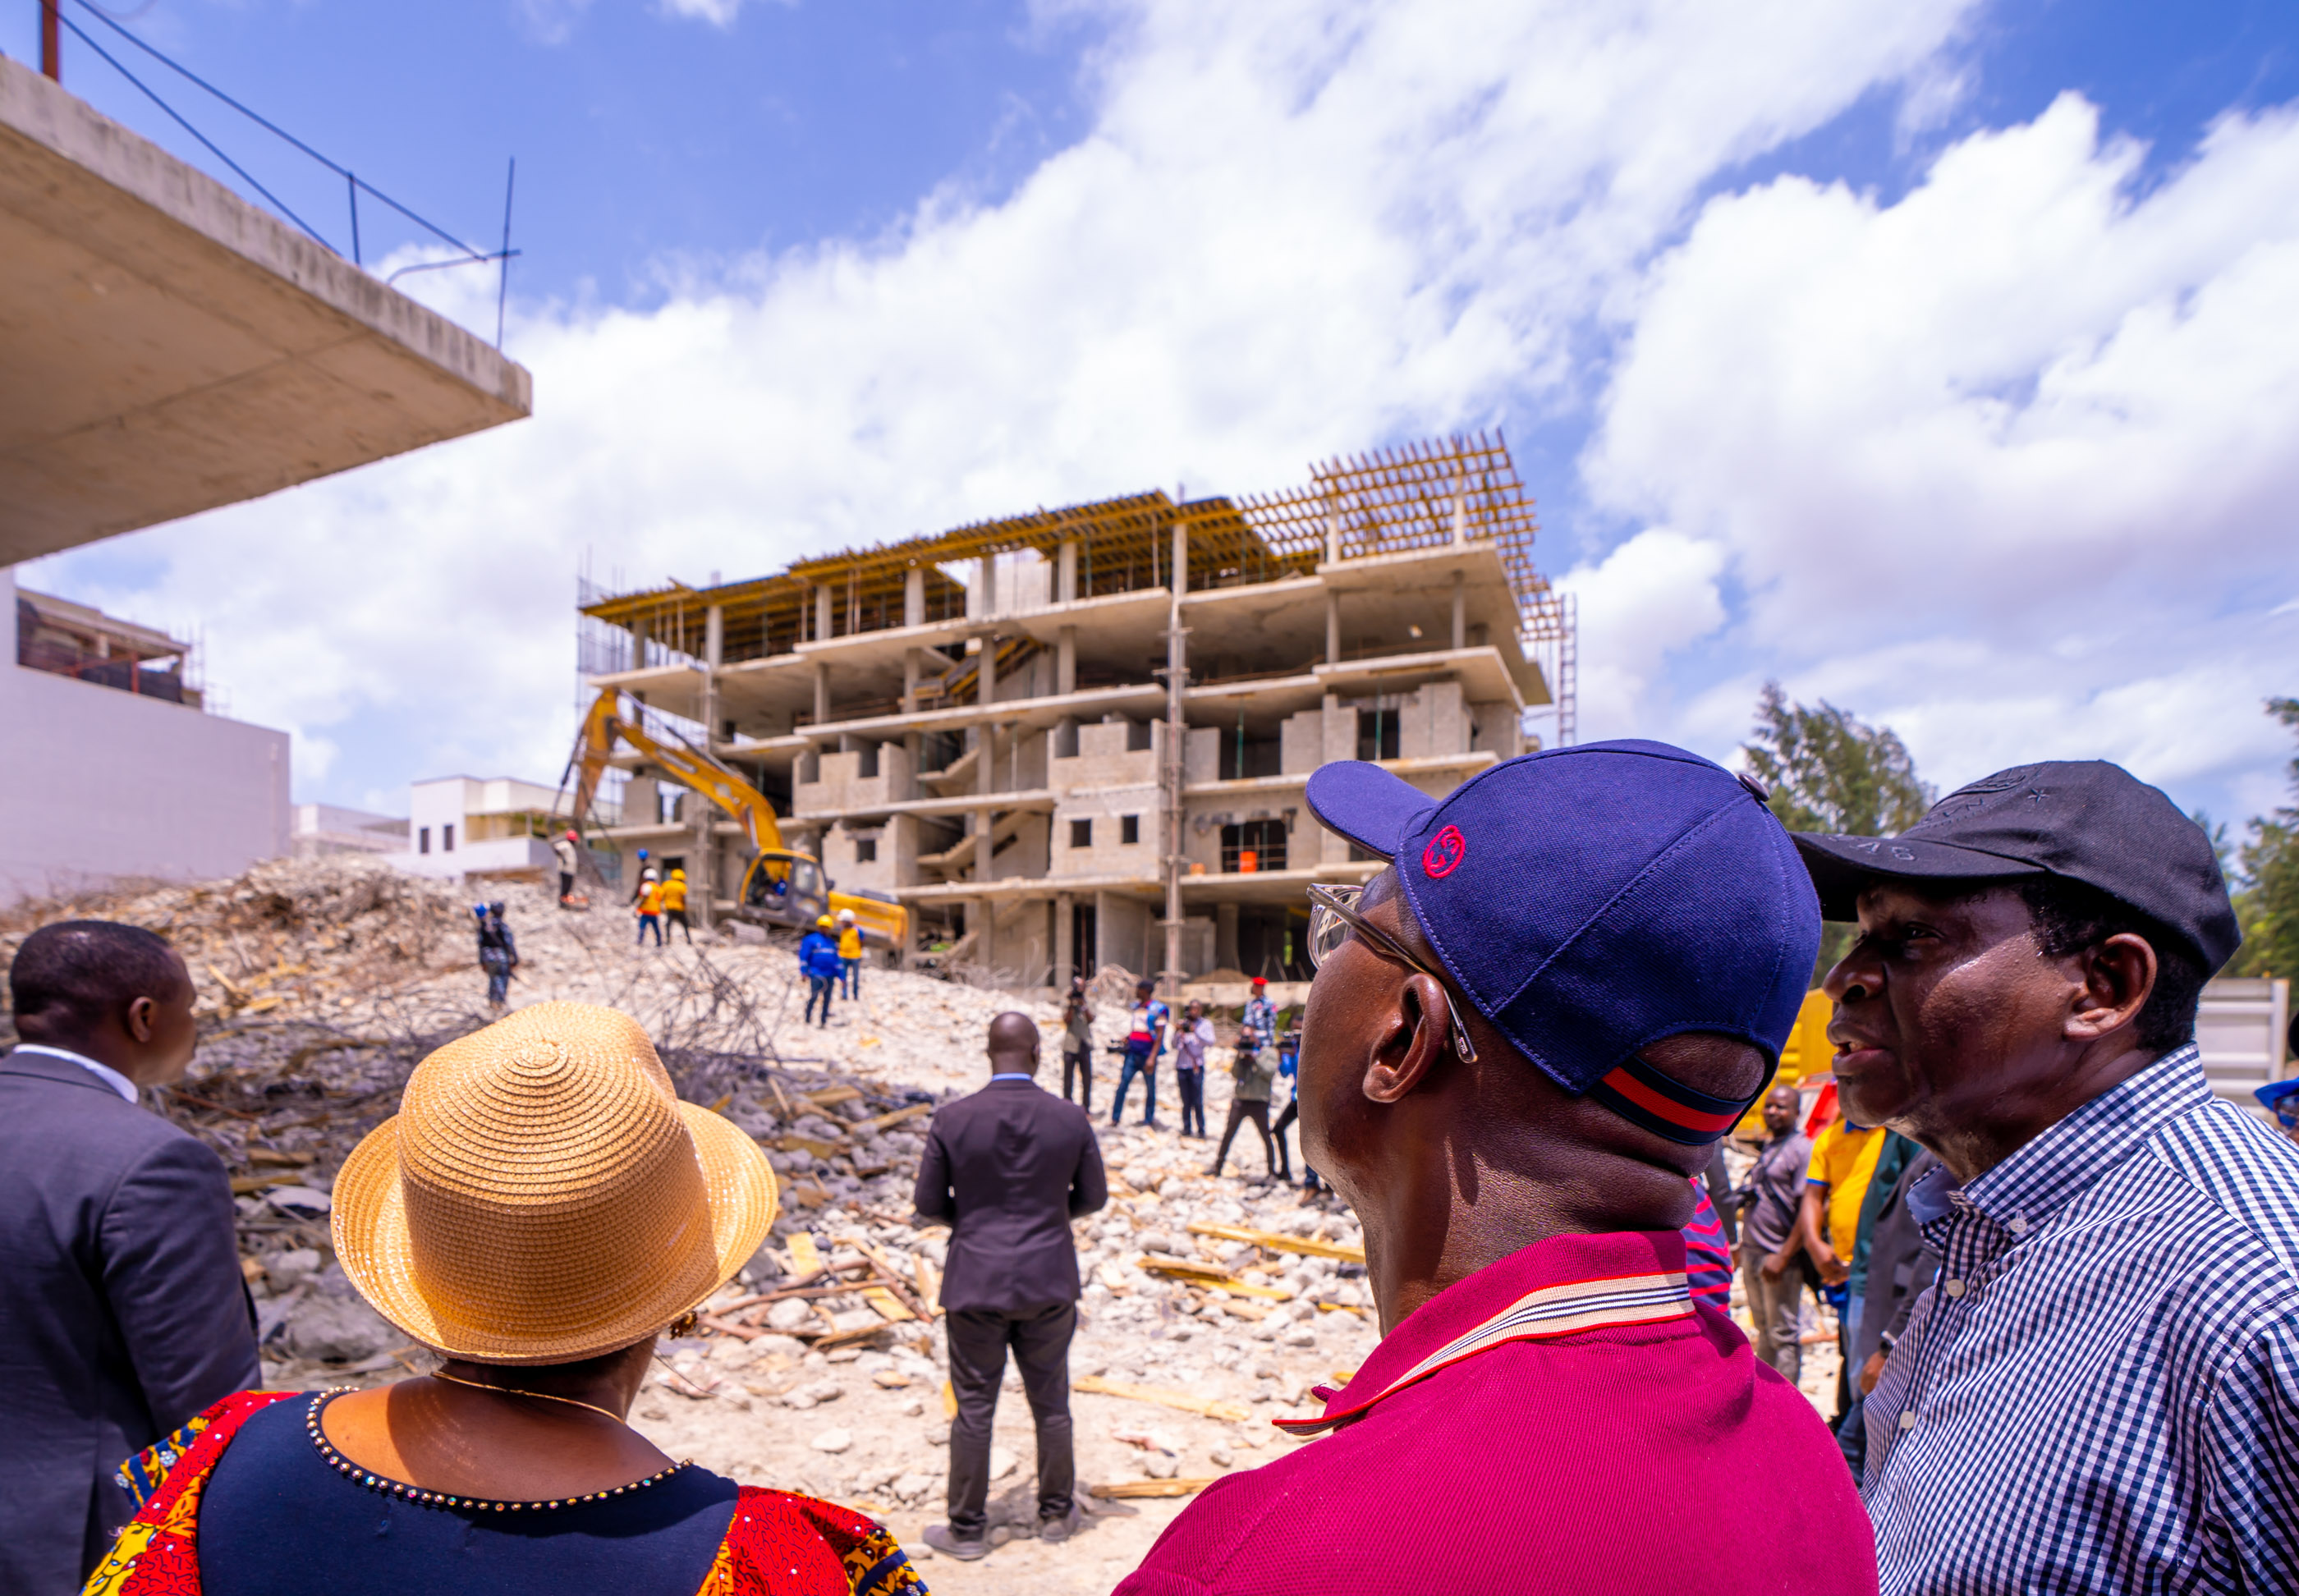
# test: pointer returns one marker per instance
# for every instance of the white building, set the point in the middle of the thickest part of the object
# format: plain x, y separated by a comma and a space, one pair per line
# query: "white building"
116, 770
323, 828
460, 826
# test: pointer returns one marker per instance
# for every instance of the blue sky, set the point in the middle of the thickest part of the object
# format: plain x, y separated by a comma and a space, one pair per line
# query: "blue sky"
1837, 342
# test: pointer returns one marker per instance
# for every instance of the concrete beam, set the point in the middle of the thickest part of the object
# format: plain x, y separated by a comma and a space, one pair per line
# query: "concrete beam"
170, 348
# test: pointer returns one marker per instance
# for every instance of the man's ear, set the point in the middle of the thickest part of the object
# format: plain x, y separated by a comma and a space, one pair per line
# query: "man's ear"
2118, 977
136, 1018
1411, 1040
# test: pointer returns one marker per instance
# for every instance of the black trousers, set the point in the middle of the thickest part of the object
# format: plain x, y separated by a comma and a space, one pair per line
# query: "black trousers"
1284, 1157
1192, 1085
978, 1343
1083, 1064
1240, 1109
565, 884
678, 917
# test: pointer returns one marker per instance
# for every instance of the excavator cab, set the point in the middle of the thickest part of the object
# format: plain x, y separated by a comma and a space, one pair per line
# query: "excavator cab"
783, 889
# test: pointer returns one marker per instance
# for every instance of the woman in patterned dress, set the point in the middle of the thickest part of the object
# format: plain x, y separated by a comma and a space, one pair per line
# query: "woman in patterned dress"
542, 1207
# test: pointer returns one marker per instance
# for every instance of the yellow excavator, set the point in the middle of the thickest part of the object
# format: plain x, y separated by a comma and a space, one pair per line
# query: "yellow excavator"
782, 887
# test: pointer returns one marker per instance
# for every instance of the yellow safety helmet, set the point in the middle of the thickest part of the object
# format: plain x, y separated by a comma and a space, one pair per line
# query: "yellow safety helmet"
823, 924
678, 875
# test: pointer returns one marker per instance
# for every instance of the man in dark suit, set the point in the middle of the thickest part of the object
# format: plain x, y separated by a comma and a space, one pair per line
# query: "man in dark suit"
123, 1309
1007, 1169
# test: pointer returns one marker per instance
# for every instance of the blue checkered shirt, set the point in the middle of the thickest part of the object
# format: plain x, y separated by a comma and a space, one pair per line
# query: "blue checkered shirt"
2099, 1392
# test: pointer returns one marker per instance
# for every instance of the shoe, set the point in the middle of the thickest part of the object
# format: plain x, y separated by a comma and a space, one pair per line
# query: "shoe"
1062, 1528
945, 1541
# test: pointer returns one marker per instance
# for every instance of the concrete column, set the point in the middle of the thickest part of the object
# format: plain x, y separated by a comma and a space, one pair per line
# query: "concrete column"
638, 644
1332, 627
1100, 931
1340, 743
986, 772
823, 628
1176, 738
821, 694
702, 882
1064, 937
1065, 573
914, 597
1225, 936
986, 587
1066, 658
909, 681
1460, 610
986, 683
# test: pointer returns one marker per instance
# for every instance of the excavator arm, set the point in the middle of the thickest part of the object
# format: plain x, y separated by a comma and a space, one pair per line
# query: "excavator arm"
604, 723
695, 770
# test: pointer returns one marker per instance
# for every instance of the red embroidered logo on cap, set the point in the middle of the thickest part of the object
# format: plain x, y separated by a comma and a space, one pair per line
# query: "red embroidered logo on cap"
1443, 854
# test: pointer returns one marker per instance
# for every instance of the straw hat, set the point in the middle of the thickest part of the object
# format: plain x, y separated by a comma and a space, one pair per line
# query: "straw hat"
544, 1196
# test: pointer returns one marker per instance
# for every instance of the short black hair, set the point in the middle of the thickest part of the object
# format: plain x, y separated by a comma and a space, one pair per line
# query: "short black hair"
2069, 917
89, 970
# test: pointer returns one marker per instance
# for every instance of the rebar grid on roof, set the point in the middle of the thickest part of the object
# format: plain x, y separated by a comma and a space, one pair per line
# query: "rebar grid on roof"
1415, 496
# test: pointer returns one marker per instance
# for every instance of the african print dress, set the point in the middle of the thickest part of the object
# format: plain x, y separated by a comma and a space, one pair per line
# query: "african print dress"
775, 1540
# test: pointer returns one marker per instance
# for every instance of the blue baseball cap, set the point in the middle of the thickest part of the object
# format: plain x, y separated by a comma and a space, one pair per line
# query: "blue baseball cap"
1591, 900
2275, 1096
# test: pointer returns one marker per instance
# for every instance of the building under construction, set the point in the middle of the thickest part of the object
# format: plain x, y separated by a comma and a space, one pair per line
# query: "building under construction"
1079, 737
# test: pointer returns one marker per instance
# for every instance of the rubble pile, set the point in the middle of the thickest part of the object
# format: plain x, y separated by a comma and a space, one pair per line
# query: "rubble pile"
1210, 1306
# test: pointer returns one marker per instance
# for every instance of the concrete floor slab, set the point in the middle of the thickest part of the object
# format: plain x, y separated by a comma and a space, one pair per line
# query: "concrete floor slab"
170, 348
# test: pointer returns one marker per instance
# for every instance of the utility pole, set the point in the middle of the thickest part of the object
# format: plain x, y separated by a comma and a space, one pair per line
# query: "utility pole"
52, 43
1171, 773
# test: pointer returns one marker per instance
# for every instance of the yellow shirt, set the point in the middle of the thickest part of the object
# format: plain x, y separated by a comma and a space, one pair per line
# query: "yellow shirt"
674, 895
850, 942
1843, 1160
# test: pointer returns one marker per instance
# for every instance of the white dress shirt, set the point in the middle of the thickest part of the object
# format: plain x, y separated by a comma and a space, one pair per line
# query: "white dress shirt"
103, 1072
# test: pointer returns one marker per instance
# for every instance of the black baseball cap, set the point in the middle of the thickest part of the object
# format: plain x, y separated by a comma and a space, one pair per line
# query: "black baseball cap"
2083, 819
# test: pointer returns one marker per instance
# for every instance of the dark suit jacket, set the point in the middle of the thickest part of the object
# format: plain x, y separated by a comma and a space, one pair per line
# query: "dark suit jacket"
1007, 1169
122, 1309
1900, 1265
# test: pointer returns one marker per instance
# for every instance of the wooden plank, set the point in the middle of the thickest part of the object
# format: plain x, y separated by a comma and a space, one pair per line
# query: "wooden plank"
890, 1307
1207, 1275
830, 1096
948, 1401
793, 1142
806, 1257
896, 1118
1182, 1400
1122, 1490
243, 1185
1270, 1240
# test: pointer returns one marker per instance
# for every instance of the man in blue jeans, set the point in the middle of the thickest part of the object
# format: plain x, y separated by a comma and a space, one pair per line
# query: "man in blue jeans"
1145, 1039
818, 961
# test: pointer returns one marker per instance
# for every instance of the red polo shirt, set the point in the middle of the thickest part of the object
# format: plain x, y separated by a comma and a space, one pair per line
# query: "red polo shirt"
1564, 1420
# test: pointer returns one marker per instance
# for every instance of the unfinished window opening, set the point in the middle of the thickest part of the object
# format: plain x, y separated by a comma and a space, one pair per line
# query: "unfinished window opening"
1380, 732
868, 766
423, 839
1066, 740
866, 849
1129, 829
1138, 736
446, 839
1082, 833
1253, 845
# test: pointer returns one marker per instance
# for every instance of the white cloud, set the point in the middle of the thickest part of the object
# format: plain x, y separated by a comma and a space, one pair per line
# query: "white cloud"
1653, 595
2007, 464
718, 14
1296, 228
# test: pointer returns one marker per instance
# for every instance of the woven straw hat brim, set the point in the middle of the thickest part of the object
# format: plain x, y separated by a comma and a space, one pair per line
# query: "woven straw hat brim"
373, 1245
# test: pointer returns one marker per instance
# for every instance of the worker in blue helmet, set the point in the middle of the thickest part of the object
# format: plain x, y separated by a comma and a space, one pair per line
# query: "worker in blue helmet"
498, 953
2281, 1098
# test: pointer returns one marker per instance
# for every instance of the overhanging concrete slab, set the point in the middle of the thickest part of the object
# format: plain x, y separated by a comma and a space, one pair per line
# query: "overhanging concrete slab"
168, 348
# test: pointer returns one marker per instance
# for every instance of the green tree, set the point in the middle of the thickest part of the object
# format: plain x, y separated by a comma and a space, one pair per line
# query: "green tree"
1829, 771
2268, 905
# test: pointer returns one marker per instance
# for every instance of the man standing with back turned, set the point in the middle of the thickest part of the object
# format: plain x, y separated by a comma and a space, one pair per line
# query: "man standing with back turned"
2101, 1392
122, 1310
1524, 1037
1007, 1169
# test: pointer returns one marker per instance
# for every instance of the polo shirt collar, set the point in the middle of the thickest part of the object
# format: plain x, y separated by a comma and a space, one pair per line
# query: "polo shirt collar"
1563, 1285
2025, 1189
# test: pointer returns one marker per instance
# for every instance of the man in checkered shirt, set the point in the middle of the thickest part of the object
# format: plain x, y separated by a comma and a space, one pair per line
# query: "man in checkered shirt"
2100, 1392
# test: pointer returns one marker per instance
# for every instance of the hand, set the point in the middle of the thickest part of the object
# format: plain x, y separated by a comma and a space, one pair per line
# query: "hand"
1870, 1372
1833, 1269
1775, 1265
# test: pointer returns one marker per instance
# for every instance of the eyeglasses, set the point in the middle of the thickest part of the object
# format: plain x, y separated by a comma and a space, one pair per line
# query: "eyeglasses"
1333, 918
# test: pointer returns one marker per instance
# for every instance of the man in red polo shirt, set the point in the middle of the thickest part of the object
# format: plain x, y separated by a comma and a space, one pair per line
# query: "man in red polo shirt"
1523, 1038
